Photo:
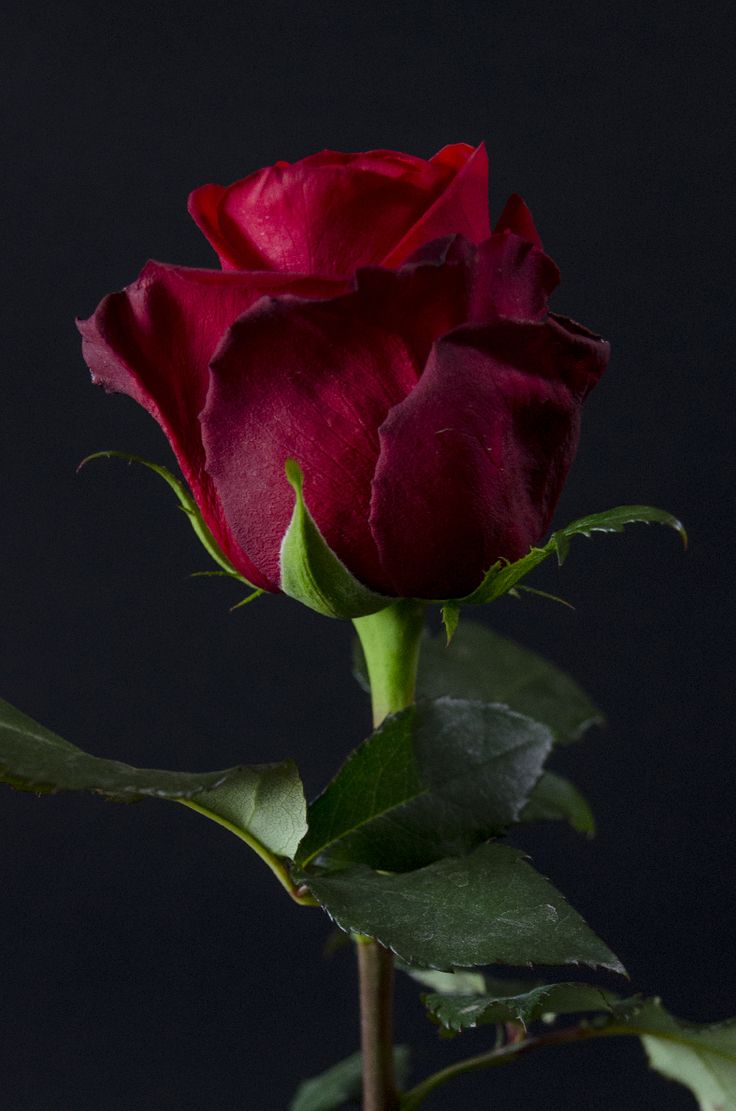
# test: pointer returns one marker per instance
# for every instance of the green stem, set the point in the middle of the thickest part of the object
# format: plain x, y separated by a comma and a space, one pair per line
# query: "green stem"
507, 1053
391, 640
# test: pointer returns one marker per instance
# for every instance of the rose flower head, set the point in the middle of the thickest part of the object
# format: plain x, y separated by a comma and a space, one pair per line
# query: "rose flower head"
368, 325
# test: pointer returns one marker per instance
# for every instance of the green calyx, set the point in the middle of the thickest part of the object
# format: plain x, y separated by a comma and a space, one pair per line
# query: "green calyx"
311, 572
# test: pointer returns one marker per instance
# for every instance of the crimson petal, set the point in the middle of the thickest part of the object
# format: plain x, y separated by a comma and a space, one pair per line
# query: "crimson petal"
153, 341
460, 209
332, 212
512, 278
313, 381
517, 218
473, 461
234, 252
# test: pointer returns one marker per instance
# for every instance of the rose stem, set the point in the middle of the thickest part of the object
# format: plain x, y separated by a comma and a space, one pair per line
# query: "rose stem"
391, 640
376, 970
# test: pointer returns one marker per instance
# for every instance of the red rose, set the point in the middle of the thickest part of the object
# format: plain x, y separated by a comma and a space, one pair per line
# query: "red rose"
369, 325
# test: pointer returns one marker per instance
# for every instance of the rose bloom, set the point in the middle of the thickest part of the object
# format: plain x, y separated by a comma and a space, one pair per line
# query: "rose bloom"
369, 324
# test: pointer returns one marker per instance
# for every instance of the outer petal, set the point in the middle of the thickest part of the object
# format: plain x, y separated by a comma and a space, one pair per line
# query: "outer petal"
517, 218
153, 341
314, 381
332, 213
473, 461
511, 277
504, 276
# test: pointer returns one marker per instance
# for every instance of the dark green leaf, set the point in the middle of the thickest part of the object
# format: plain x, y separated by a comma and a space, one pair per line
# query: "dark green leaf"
503, 577
342, 1083
485, 908
481, 664
458, 1012
434, 780
312, 573
555, 798
264, 804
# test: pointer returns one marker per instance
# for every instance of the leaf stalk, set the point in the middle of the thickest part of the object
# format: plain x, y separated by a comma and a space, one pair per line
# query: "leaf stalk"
507, 1053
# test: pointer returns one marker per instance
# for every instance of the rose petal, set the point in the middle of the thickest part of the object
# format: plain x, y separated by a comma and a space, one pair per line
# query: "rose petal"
517, 218
504, 276
473, 461
511, 277
203, 206
314, 381
332, 213
461, 208
153, 341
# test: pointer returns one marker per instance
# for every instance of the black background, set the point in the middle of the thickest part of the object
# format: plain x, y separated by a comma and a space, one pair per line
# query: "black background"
148, 960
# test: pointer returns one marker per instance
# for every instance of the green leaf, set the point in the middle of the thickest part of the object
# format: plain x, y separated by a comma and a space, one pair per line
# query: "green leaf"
342, 1083
263, 804
186, 502
485, 908
460, 1011
555, 798
457, 982
310, 570
702, 1057
483, 665
434, 780
503, 577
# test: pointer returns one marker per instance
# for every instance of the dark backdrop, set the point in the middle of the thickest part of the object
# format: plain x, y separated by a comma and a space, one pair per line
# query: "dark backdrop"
148, 961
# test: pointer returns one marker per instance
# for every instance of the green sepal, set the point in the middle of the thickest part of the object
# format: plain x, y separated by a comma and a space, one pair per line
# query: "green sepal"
312, 573
262, 804
519, 589
501, 578
342, 1083
450, 620
190, 508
